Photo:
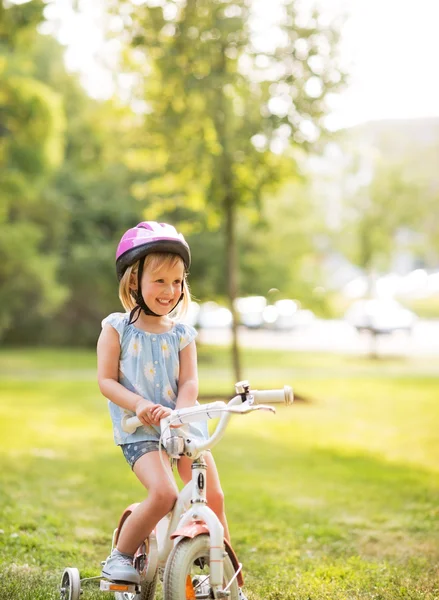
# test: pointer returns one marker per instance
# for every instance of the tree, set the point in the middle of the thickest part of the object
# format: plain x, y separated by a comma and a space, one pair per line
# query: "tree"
83, 208
64, 191
278, 247
384, 175
375, 213
31, 148
385, 201
224, 117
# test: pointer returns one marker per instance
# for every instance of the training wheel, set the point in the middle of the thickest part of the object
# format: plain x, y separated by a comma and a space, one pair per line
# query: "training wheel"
70, 584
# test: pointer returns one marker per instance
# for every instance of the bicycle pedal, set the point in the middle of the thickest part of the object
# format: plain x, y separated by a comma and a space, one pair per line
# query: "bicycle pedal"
118, 586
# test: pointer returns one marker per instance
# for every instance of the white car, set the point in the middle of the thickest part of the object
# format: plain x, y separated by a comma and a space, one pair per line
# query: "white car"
212, 316
191, 317
250, 311
286, 315
380, 316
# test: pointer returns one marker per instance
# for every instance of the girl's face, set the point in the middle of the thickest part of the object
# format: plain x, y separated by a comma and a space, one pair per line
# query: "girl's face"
161, 288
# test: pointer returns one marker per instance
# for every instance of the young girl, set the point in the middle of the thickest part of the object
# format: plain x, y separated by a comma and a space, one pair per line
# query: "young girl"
147, 365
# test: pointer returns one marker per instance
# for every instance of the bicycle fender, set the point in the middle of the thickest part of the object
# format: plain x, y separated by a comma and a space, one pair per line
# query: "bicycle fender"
191, 530
126, 513
235, 562
199, 528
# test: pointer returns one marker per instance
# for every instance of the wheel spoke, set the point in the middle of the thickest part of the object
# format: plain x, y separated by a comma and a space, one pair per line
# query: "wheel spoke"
200, 582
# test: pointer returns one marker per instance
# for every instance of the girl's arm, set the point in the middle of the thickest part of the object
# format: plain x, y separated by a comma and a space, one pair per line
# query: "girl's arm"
108, 351
188, 377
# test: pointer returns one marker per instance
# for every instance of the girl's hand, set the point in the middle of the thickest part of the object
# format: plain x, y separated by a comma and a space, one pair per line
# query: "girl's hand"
144, 410
159, 412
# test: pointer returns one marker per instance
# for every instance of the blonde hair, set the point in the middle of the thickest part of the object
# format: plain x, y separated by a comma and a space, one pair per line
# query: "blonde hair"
153, 262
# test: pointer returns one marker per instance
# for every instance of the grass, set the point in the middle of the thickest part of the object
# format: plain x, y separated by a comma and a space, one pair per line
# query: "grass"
426, 308
337, 498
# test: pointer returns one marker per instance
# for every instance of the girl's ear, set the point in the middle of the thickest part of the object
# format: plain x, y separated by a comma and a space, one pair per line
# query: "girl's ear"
133, 281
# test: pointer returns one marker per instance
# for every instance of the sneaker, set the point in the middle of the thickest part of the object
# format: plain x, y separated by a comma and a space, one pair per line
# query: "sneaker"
119, 567
241, 595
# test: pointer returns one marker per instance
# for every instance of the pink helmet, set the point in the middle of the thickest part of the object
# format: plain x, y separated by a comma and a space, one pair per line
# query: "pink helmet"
148, 237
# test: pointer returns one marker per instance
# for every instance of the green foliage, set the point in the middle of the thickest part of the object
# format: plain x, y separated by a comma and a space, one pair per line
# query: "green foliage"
31, 148
65, 193
389, 192
278, 245
349, 511
425, 308
18, 23
208, 131
213, 139
34, 126
77, 172
378, 212
94, 185
225, 121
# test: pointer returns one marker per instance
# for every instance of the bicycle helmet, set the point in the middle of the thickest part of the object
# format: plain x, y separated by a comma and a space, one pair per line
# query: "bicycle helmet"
136, 243
148, 237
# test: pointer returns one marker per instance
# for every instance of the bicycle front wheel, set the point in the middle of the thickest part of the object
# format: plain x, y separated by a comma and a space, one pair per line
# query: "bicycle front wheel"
187, 573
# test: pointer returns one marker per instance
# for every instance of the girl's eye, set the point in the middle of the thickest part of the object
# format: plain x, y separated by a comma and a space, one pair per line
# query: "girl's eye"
159, 280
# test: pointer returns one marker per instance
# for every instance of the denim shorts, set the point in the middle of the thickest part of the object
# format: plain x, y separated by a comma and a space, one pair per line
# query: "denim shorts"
134, 451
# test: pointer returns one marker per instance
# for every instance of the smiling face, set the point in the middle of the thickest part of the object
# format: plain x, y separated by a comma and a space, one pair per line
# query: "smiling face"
162, 283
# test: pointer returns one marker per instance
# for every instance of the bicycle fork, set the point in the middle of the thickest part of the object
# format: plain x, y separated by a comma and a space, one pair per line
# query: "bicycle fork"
201, 512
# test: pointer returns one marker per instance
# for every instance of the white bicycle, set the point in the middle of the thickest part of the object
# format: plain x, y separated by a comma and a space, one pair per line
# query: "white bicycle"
187, 550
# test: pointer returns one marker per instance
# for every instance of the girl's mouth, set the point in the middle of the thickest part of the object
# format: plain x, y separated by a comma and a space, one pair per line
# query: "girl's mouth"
164, 302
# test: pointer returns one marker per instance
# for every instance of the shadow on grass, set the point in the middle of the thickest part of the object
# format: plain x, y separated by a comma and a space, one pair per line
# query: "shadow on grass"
292, 513
331, 503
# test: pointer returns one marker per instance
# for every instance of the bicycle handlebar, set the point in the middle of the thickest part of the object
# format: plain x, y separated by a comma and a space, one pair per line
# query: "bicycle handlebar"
273, 396
214, 409
180, 416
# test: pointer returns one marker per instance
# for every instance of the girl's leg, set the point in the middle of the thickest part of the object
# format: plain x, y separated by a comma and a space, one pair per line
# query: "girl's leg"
162, 494
215, 495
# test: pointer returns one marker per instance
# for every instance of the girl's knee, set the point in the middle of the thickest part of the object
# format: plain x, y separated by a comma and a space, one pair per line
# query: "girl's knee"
164, 497
215, 499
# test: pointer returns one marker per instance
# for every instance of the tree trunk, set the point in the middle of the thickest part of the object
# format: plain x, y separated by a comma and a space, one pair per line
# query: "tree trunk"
229, 206
371, 294
232, 279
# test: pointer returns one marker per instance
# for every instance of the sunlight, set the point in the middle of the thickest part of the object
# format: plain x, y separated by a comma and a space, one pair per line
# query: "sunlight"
388, 48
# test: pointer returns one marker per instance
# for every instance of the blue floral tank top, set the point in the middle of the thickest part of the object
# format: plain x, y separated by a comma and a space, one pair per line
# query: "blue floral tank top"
149, 365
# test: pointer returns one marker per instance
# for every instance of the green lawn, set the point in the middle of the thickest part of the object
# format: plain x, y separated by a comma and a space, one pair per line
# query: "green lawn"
336, 498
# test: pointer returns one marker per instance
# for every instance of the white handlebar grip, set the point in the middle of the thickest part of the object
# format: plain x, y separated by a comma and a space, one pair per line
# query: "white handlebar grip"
130, 424
284, 395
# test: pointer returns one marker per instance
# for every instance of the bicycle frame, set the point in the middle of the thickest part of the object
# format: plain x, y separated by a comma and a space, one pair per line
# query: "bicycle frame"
190, 515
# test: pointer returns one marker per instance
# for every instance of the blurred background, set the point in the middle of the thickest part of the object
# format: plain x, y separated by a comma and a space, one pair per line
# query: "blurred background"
295, 144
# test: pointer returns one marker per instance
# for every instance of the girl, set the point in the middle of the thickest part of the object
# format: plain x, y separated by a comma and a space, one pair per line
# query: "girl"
147, 365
